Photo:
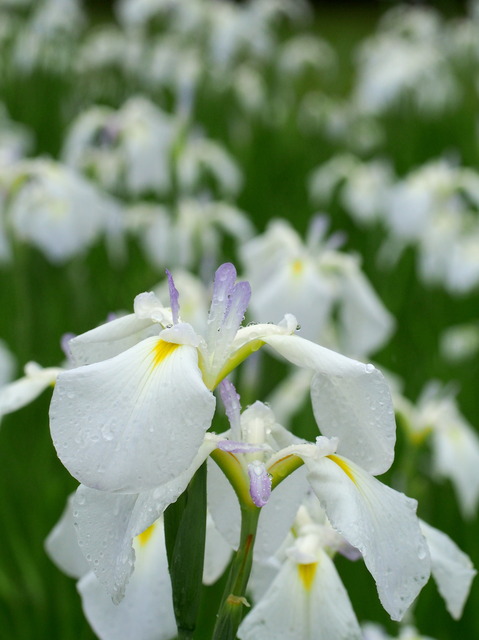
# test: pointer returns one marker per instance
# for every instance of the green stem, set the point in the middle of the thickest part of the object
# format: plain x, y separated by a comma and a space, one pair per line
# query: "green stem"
231, 609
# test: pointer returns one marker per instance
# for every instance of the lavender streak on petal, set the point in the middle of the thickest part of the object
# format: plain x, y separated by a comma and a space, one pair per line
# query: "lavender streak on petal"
231, 446
231, 401
174, 298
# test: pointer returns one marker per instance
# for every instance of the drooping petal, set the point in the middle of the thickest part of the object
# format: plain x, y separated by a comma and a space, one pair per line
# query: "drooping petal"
304, 602
62, 545
107, 523
366, 324
133, 422
21, 392
351, 400
146, 612
378, 521
451, 568
456, 456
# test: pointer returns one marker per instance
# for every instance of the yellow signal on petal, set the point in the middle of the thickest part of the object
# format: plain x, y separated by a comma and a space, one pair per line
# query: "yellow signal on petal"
146, 535
162, 350
344, 466
297, 267
307, 573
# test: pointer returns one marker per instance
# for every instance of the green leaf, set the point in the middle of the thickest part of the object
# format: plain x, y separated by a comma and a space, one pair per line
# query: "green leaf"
185, 531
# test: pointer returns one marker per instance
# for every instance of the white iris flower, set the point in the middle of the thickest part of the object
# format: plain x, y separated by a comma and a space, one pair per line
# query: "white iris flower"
130, 421
374, 519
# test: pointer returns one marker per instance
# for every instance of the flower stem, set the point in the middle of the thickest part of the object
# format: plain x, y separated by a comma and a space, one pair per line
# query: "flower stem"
231, 609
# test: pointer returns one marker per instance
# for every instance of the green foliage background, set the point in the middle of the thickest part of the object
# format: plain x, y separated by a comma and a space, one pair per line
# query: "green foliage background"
39, 302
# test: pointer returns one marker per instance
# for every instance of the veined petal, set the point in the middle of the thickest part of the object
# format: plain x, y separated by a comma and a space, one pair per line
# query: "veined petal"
21, 392
380, 522
146, 612
227, 310
107, 523
111, 339
62, 545
351, 400
133, 422
304, 602
451, 568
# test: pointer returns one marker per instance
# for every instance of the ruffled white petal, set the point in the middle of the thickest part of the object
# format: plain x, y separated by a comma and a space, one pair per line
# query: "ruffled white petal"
62, 545
133, 422
451, 569
291, 611
21, 392
108, 522
146, 612
351, 400
378, 521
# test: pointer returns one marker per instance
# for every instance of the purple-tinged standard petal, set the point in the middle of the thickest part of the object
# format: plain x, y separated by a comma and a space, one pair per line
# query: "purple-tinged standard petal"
65, 344
241, 447
223, 286
236, 309
227, 310
259, 483
318, 228
231, 401
174, 297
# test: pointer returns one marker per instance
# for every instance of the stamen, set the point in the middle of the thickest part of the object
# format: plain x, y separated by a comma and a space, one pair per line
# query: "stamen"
259, 483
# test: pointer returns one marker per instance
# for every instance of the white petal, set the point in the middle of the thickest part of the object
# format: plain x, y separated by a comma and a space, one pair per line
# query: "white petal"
296, 287
366, 323
378, 521
62, 545
351, 400
217, 553
146, 612
290, 395
111, 338
456, 456
451, 568
21, 392
133, 422
108, 522
291, 611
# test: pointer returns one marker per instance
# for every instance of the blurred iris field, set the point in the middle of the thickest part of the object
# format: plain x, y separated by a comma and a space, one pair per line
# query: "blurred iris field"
292, 117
